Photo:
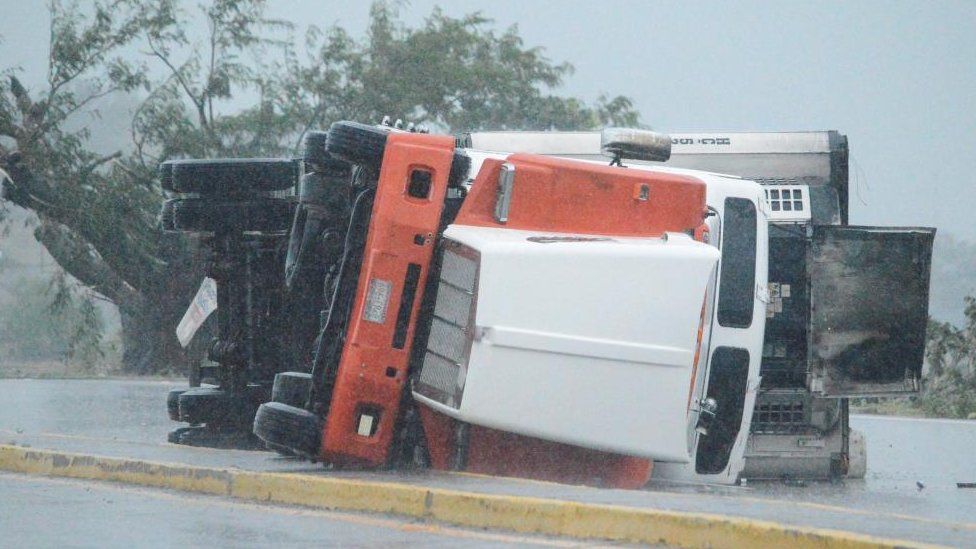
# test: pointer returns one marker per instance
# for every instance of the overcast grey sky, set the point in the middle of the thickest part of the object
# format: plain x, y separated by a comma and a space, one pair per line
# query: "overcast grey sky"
899, 78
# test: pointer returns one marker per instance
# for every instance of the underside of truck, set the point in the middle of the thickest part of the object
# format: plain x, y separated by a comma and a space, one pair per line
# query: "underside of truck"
237, 217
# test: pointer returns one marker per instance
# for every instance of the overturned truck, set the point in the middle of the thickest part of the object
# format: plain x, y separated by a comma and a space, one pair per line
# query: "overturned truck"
483, 306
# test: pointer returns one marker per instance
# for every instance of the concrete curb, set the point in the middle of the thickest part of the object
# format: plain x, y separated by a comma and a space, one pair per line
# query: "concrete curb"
519, 514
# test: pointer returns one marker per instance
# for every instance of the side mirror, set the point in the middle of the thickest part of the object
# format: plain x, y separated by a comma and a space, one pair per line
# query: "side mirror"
621, 143
707, 409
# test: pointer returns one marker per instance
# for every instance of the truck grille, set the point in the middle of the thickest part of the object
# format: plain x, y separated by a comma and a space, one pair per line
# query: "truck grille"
444, 367
780, 417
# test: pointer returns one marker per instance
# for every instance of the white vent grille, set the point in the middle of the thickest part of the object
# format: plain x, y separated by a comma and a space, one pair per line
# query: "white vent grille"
444, 369
447, 340
440, 374
788, 202
459, 271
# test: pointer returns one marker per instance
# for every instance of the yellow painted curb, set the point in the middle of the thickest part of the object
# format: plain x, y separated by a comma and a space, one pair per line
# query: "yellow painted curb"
520, 514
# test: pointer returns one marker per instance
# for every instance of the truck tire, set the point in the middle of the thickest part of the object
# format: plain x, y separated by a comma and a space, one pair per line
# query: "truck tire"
314, 150
359, 144
288, 429
220, 177
200, 215
173, 403
166, 176
291, 388
205, 405
317, 187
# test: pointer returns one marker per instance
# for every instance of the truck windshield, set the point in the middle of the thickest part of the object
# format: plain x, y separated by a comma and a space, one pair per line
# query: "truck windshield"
738, 271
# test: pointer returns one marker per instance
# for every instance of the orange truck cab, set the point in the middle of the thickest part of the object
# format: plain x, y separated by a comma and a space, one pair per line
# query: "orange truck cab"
361, 363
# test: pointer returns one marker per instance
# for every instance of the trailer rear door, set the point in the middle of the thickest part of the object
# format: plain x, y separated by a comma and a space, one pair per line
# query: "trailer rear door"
869, 308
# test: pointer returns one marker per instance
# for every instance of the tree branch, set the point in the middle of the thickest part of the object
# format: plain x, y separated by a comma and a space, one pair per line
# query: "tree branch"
117, 247
59, 83
197, 102
23, 189
77, 257
308, 124
213, 61
92, 166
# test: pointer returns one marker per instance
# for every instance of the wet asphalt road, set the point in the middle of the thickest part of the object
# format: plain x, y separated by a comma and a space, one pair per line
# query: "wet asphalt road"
64, 513
129, 418
903, 452
110, 409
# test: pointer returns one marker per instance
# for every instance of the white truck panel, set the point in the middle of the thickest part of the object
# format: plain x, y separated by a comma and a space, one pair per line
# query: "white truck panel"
588, 343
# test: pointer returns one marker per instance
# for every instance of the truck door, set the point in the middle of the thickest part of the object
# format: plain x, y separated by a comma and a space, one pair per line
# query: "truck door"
869, 292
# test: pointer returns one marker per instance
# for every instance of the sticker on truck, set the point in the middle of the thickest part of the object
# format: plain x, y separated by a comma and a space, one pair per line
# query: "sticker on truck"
203, 305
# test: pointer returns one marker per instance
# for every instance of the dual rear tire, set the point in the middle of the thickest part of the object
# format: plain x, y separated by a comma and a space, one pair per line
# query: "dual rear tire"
214, 406
222, 177
289, 430
291, 388
229, 194
202, 215
364, 145
283, 424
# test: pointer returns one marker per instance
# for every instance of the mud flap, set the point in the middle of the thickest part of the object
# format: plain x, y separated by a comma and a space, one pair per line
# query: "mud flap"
869, 291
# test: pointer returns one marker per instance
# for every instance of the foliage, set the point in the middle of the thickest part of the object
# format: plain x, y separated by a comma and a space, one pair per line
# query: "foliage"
455, 74
952, 394
97, 211
950, 387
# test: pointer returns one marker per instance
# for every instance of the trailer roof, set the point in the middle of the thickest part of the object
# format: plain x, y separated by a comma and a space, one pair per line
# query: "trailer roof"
716, 142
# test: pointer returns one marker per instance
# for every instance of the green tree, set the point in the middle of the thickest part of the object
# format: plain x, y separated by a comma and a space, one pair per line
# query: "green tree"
97, 212
455, 74
950, 386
